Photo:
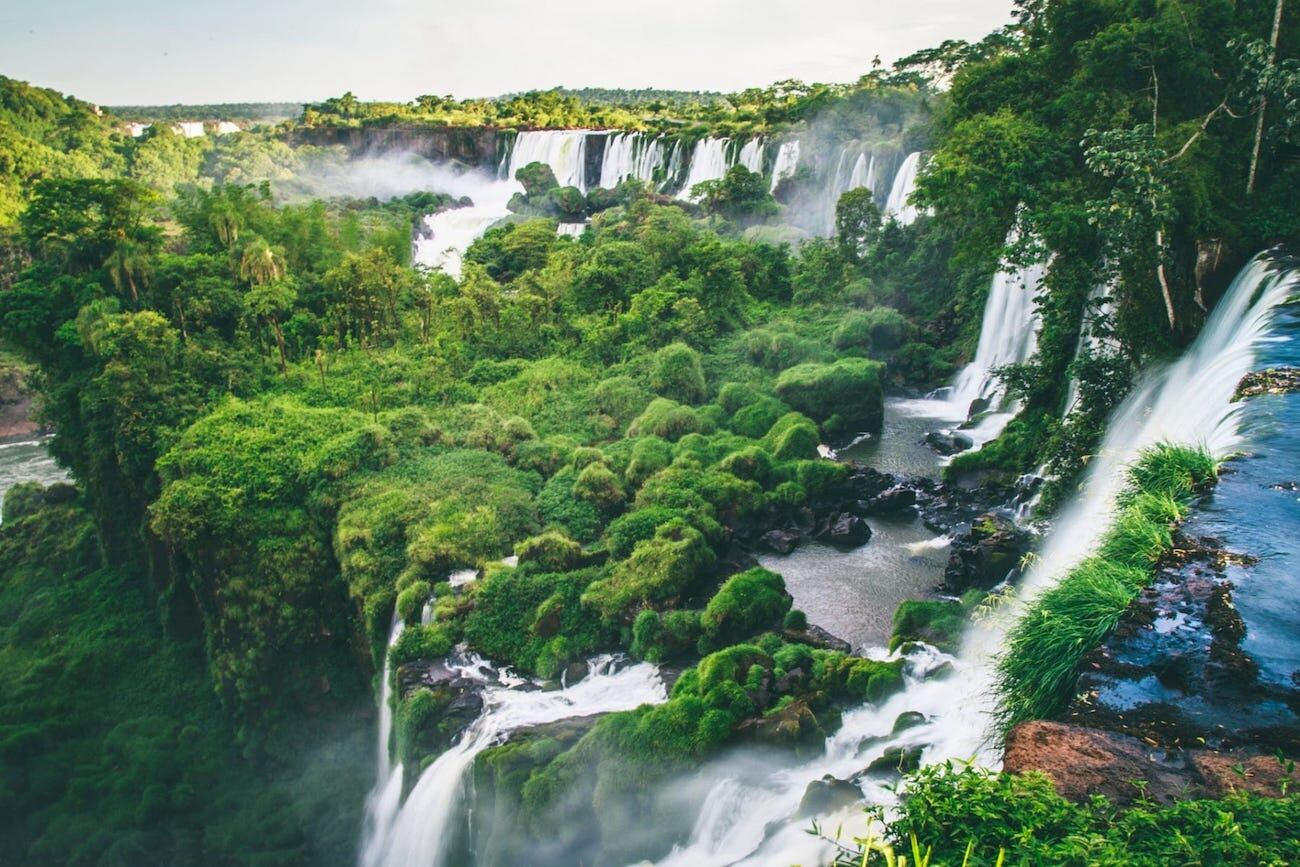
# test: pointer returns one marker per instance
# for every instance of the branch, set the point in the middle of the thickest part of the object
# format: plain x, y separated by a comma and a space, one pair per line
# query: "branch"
1205, 123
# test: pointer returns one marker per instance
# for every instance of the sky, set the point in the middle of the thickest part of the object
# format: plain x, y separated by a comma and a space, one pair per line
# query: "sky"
140, 52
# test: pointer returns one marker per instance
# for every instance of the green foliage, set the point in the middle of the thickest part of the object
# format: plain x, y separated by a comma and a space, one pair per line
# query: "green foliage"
849, 389
971, 814
1038, 670
430, 642
667, 420
747, 603
549, 552
938, 624
677, 374
792, 437
657, 573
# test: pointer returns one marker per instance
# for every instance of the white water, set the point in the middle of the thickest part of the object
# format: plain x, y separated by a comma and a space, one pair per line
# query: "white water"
1100, 305
899, 206
447, 234
630, 155
754, 822
708, 163
382, 802
189, 128
751, 155
225, 127
418, 836
565, 151
787, 162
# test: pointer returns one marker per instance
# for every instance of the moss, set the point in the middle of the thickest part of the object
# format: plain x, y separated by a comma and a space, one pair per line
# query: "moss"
430, 642
550, 552
747, 603
937, 623
849, 388
659, 570
792, 437
411, 601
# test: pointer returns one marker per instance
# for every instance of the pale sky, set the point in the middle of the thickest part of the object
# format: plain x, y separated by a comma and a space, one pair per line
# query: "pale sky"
205, 51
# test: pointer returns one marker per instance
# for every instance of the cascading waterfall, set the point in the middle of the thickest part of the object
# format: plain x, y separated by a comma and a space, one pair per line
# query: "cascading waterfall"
630, 155
383, 800
565, 151
756, 822
444, 236
189, 128
708, 163
751, 155
787, 162
1099, 305
899, 206
419, 835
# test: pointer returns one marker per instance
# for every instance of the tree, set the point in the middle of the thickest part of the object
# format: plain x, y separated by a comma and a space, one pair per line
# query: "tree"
857, 222
260, 262
270, 302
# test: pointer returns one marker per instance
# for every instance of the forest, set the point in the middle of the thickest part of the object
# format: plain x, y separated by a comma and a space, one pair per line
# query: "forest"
323, 490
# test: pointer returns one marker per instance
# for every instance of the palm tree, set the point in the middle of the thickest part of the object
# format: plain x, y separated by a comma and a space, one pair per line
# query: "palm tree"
261, 263
270, 302
129, 264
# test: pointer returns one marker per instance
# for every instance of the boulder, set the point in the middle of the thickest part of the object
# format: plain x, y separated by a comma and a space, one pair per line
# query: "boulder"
847, 530
948, 442
985, 555
895, 761
794, 727
892, 501
779, 541
828, 795
908, 719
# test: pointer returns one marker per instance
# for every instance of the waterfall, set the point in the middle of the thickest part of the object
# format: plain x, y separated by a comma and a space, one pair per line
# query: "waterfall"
425, 824
189, 128
630, 155
225, 127
898, 206
1008, 335
708, 163
756, 822
751, 155
443, 237
1099, 305
787, 162
382, 802
565, 151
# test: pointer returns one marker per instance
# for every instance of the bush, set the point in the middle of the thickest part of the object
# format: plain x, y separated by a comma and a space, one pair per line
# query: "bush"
659, 571
850, 389
623, 533
735, 396
666, 419
650, 454
662, 638
755, 420
853, 332
792, 437
749, 602
410, 602
677, 374
550, 552
598, 485
560, 508
422, 642
795, 621
937, 623
888, 329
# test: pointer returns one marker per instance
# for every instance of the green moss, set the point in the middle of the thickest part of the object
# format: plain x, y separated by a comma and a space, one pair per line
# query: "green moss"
849, 388
747, 603
658, 572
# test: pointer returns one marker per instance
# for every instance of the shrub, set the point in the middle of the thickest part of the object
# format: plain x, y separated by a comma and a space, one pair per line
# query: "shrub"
735, 396
849, 388
422, 642
624, 532
748, 602
752, 463
659, 570
887, 327
792, 437
598, 485
549, 552
821, 479
650, 454
795, 621
666, 419
853, 332
937, 623
663, 637
560, 508
410, 602
755, 420
677, 374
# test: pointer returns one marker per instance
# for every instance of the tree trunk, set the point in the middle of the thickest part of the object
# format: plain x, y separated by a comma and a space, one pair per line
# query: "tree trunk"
279, 344
1164, 281
1263, 105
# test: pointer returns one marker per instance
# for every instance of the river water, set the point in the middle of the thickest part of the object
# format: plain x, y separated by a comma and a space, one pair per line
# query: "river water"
28, 461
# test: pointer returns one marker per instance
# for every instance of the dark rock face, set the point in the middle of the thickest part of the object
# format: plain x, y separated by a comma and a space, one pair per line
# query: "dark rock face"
476, 146
846, 530
894, 500
16, 406
817, 637
948, 442
459, 698
985, 555
895, 761
1275, 380
827, 795
794, 727
1083, 761
779, 541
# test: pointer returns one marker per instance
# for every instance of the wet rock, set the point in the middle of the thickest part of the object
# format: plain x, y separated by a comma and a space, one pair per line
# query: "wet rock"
947, 442
575, 671
817, 637
828, 795
457, 701
895, 761
1275, 380
895, 500
906, 720
779, 541
985, 555
847, 530
1083, 761
793, 727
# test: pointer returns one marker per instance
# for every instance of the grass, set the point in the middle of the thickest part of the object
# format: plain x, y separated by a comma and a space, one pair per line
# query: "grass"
1038, 668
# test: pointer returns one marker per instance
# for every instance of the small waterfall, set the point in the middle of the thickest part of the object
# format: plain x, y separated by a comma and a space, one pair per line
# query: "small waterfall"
425, 823
1008, 335
751, 155
630, 155
1099, 305
382, 802
189, 128
708, 163
225, 127
898, 206
757, 822
443, 237
787, 162
565, 151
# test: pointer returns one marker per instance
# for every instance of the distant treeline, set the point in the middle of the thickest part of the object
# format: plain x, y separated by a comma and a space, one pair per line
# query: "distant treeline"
232, 111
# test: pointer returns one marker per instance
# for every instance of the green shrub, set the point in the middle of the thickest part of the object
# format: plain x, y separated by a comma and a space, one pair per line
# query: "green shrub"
677, 374
650, 454
821, 479
665, 419
410, 602
664, 637
853, 332
560, 508
422, 642
625, 531
887, 327
792, 437
658, 571
735, 396
850, 388
747, 603
752, 463
598, 485
937, 623
550, 552
795, 621
757, 418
